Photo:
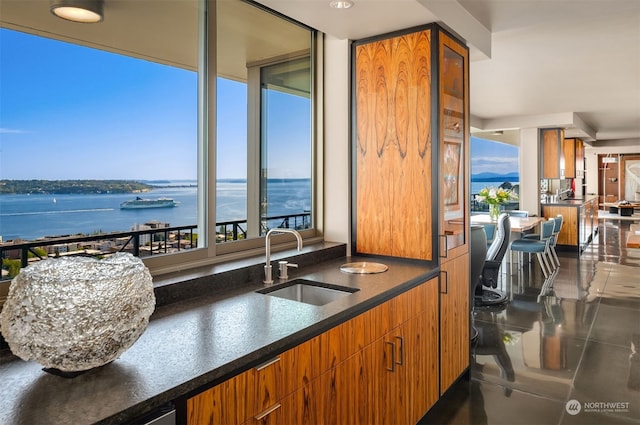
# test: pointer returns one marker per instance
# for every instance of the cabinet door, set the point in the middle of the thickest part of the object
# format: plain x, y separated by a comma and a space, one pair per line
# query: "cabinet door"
568, 161
392, 149
453, 145
550, 141
421, 336
227, 403
454, 320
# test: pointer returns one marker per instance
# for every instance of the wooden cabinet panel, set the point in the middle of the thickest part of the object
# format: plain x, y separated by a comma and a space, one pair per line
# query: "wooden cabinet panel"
392, 146
421, 334
551, 139
269, 383
454, 320
568, 158
301, 407
569, 234
227, 403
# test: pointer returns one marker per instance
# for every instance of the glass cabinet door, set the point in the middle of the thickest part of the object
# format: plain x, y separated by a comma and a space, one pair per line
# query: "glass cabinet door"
454, 146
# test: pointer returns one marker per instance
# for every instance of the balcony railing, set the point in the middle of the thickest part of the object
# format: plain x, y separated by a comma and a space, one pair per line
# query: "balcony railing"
141, 243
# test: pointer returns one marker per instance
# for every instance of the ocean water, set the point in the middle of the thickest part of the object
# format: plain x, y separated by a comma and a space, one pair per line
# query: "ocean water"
30, 217
476, 186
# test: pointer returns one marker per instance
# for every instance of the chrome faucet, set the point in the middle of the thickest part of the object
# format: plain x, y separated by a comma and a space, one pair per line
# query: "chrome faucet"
268, 280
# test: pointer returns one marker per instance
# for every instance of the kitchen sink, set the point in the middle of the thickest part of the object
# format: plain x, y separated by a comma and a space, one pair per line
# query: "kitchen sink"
308, 291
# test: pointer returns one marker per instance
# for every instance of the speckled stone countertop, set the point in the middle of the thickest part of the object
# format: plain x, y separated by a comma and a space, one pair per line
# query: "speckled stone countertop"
571, 202
217, 327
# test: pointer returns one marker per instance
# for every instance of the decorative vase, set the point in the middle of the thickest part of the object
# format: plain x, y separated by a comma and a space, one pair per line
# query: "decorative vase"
75, 313
494, 211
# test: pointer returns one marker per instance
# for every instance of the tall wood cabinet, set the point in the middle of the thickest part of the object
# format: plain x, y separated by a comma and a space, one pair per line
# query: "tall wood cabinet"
411, 166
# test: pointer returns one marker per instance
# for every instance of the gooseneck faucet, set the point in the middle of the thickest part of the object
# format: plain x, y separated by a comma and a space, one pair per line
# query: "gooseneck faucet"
268, 280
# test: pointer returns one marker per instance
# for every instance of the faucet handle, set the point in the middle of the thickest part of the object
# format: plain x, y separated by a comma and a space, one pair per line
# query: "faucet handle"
284, 268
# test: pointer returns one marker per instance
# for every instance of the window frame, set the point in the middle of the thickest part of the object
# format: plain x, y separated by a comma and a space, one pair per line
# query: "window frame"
212, 252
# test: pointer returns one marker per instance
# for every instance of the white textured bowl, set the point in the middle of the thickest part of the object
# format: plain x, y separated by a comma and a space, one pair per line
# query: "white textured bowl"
77, 313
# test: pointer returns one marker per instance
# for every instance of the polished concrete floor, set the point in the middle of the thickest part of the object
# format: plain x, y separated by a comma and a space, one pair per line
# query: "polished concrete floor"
563, 350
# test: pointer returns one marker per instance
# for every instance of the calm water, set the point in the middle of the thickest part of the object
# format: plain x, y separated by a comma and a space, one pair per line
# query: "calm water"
32, 216
479, 185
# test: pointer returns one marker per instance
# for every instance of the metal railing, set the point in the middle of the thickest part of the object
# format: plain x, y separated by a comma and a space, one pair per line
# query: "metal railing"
141, 243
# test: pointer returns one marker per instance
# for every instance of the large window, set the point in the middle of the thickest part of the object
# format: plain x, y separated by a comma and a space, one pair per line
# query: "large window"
117, 116
264, 116
493, 164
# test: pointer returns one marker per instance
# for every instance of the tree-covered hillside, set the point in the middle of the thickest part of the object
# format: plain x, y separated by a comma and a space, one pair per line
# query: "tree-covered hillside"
71, 186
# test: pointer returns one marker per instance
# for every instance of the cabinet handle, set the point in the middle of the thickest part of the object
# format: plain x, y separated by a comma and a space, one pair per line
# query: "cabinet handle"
268, 363
401, 345
446, 247
446, 282
267, 412
393, 356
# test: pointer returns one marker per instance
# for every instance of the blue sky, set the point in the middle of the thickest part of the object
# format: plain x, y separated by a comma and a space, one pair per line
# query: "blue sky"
488, 156
71, 112
106, 116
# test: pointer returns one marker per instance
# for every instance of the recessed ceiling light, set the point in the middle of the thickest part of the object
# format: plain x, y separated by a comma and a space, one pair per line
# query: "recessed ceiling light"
336, 4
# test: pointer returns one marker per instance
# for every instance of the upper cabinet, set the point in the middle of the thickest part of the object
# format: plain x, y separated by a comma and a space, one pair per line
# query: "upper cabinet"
561, 158
453, 139
552, 153
410, 104
394, 197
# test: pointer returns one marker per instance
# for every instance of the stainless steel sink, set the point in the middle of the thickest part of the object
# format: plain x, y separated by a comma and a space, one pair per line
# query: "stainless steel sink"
308, 291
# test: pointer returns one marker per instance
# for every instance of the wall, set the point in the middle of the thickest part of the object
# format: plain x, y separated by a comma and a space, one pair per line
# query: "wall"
336, 207
529, 171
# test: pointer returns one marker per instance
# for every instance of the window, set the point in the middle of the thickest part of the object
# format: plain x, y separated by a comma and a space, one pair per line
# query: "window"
141, 107
493, 164
264, 115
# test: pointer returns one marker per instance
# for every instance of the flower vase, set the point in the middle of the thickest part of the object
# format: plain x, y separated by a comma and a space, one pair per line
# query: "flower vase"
494, 211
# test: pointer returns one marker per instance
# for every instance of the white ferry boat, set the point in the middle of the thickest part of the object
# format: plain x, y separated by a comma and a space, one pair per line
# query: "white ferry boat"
140, 203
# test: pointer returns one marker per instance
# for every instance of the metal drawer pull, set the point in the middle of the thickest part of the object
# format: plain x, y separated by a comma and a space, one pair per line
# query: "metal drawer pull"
446, 281
268, 363
393, 356
401, 339
267, 412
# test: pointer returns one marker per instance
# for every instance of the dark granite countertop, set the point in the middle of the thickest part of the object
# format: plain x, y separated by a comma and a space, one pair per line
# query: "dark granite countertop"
571, 202
189, 344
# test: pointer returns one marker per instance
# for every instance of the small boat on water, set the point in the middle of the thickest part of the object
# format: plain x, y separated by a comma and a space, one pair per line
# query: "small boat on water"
140, 203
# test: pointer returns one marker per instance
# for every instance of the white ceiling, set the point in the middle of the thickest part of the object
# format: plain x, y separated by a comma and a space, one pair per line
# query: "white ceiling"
535, 63
569, 63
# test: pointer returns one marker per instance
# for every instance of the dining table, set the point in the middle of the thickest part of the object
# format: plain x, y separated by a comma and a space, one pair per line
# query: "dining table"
518, 224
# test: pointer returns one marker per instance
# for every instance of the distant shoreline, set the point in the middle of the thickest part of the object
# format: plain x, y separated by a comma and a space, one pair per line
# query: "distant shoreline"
64, 187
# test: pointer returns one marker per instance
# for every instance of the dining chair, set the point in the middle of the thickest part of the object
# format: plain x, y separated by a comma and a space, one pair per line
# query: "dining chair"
559, 219
540, 247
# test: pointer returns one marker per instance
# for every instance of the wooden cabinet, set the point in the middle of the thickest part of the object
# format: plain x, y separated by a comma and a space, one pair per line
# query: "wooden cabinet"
454, 220
380, 367
561, 158
454, 320
558, 154
580, 223
453, 146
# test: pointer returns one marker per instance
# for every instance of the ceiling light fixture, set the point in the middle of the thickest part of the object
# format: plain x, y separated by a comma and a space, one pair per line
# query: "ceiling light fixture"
497, 133
341, 4
85, 11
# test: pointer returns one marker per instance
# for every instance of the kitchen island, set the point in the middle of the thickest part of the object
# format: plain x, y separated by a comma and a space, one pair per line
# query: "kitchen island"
580, 221
208, 327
